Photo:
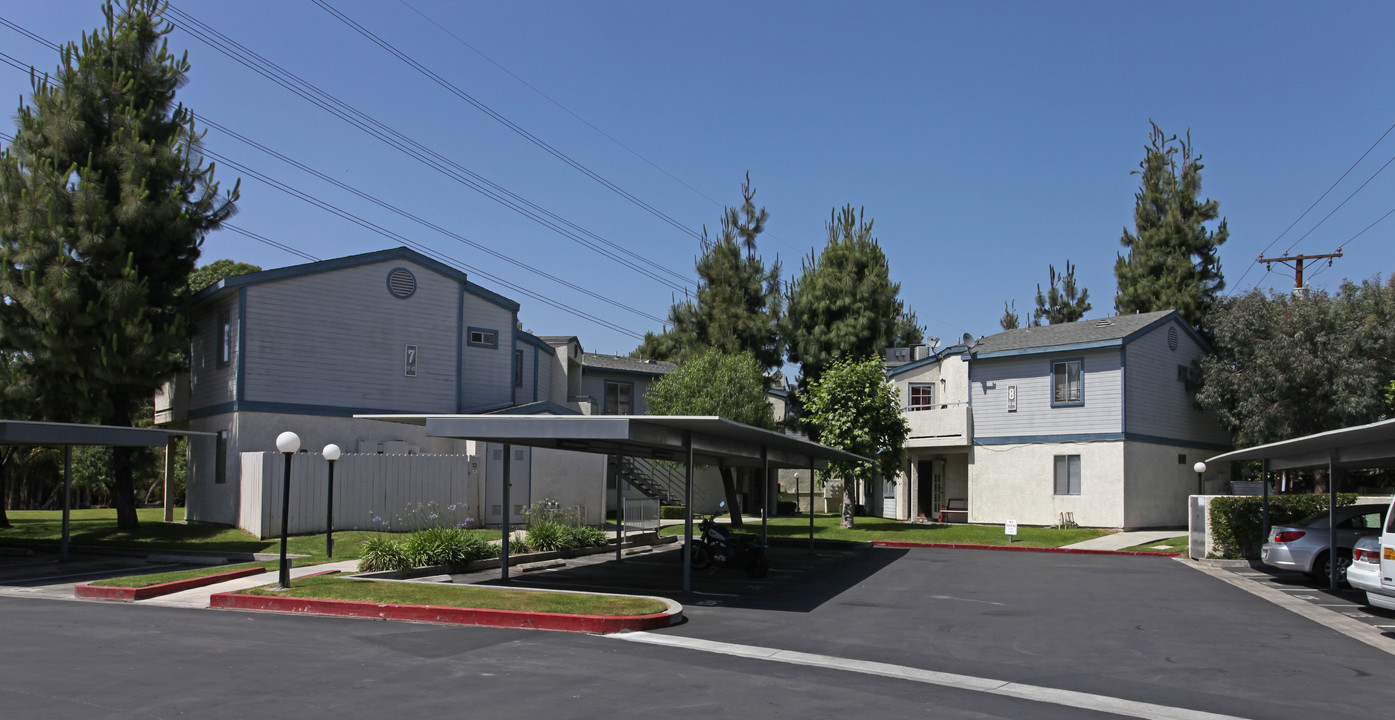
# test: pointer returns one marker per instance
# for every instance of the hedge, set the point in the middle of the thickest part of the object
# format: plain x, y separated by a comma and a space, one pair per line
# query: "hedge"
673, 512
1237, 521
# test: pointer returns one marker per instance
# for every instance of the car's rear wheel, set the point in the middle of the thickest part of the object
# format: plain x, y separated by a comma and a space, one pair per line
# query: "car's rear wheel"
1322, 571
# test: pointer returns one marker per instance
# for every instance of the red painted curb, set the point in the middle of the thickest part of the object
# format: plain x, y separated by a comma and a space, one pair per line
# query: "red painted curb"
128, 594
596, 624
1022, 548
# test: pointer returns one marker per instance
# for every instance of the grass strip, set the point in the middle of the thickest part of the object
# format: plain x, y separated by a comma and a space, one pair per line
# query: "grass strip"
329, 587
873, 529
97, 528
1176, 544
135, 581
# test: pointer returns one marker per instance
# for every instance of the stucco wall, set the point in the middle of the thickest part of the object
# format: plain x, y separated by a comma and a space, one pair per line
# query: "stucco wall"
1017, 482
1156, 485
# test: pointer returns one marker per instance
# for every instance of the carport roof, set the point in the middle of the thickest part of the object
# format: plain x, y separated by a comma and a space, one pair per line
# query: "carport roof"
1362, 446
715, 440
25, 432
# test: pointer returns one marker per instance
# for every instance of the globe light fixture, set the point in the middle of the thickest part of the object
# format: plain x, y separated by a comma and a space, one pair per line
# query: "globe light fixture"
288, 443
331, 453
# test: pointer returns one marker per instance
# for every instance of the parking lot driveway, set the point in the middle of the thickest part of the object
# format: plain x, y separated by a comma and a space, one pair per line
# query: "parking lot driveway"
1149, 629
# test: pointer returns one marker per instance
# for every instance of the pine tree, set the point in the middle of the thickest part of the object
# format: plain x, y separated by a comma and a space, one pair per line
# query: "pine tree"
844, 303
1173, 260
104, 201
1061, 305
737, 304
1009, 320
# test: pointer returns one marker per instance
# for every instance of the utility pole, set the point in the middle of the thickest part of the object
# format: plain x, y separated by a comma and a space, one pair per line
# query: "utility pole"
1297, 265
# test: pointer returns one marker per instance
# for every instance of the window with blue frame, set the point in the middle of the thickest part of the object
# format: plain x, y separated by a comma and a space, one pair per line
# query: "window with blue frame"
1067, 386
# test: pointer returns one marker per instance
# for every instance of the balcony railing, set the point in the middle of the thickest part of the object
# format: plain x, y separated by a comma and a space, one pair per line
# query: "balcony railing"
944, 425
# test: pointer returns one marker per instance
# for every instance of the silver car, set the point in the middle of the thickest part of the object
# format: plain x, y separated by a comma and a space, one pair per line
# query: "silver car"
1303, 546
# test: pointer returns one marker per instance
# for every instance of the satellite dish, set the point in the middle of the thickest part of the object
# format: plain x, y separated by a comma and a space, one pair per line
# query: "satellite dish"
968, 339
934, 343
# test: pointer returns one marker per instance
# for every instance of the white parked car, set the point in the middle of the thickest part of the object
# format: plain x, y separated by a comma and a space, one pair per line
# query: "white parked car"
1364, 573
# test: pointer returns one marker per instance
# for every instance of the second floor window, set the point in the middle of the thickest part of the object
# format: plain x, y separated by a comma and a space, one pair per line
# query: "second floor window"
225, 338
1066, 383
617, 398
518, 368
922, 397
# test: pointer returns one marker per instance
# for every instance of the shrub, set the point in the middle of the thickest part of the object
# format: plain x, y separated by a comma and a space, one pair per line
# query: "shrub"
584, 537
547, 537
518, 543
672, 512
381, 554
452, 547
1237, 522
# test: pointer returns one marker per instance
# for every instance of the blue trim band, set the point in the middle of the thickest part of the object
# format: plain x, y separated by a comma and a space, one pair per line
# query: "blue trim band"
241, 392
603, 372
296, 409
533, 340
460, 350
1096, 345
1098, 437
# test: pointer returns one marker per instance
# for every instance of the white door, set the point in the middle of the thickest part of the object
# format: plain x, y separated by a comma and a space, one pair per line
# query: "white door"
520, 483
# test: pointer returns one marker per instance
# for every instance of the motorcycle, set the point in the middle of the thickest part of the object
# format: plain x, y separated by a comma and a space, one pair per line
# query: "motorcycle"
717, 544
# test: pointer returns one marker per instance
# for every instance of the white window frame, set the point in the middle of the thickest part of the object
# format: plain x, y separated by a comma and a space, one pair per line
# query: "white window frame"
1066, 475
925, 402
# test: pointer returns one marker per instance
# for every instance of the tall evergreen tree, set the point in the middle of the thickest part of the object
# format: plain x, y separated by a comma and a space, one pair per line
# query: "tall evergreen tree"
1173, 260
1065, 304
737, 304
844, 302
104, 201
1009, 320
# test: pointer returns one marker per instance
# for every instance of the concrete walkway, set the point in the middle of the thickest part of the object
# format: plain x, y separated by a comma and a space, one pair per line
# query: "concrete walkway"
1127, 539
198, 597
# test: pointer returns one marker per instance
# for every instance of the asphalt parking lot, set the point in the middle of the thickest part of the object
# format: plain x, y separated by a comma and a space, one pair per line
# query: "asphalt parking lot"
1345, 601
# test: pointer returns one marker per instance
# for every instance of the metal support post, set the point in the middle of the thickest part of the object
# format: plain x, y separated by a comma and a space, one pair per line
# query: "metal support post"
619, 511
688, 515
67, 499
505, 511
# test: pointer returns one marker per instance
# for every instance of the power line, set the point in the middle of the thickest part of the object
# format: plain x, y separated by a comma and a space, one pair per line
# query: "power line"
328, 207
423, 154
429, 225
501, 119
1315, 203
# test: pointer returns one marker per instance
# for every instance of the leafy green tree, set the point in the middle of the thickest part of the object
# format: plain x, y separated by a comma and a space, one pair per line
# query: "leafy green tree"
104, 201
1173, 260
737, 303
1066, 304
716, 383
1009, 320
1290, 366
844, 304
206, 275
852, 406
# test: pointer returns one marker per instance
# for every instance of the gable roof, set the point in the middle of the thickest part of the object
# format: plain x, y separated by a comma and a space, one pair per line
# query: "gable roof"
352, 261
1101, 332
623, 364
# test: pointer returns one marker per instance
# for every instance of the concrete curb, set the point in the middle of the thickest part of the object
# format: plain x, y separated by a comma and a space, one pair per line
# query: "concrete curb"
594, 624
132, 594
1022, 548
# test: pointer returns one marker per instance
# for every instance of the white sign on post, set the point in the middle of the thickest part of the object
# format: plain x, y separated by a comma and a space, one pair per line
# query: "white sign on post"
1011, 529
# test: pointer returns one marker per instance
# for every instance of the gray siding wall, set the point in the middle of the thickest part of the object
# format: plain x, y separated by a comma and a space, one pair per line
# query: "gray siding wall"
547, 365
209, 384
594, 385
1031, 374
527, 391
338, 339
487, 376
1157, 402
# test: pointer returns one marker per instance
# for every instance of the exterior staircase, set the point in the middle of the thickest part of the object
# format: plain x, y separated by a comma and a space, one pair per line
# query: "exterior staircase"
661, 482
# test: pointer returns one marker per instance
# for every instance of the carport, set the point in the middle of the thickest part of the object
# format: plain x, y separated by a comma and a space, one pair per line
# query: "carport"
67, 435
686, 440
1363, 446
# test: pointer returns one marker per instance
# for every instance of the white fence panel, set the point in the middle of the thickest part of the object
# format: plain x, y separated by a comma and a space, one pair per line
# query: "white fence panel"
365, 487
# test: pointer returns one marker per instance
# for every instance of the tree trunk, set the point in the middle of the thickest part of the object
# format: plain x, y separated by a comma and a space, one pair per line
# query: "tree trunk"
847, 503
733, 500
5, 456
123, 485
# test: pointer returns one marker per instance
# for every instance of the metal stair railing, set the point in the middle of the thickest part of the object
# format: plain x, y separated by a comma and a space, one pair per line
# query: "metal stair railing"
660, 482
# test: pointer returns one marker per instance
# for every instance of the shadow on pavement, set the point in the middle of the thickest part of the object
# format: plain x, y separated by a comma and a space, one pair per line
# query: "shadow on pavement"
798, 581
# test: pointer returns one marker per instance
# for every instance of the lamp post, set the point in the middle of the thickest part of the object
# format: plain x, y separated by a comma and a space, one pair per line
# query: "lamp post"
1200, 468
331, 453
288, 443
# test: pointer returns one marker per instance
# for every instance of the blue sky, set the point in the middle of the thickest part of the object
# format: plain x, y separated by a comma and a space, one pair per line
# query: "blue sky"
987, 140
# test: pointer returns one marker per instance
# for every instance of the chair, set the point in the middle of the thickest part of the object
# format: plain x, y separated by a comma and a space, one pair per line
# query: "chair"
953, 506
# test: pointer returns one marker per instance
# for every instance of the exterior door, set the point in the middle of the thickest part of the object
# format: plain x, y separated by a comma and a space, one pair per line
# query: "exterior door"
520, 483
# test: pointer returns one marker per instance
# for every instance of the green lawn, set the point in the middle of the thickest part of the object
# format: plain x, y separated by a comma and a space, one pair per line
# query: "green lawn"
868, 529
329, 587
137, 581
1176, 544
98, 528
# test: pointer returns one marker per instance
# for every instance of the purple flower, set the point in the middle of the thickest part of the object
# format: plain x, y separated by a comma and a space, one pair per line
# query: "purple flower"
432, 516
452, 507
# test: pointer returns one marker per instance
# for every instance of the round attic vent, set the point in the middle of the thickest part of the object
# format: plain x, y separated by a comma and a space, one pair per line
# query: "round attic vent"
401, 283
1172, 338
